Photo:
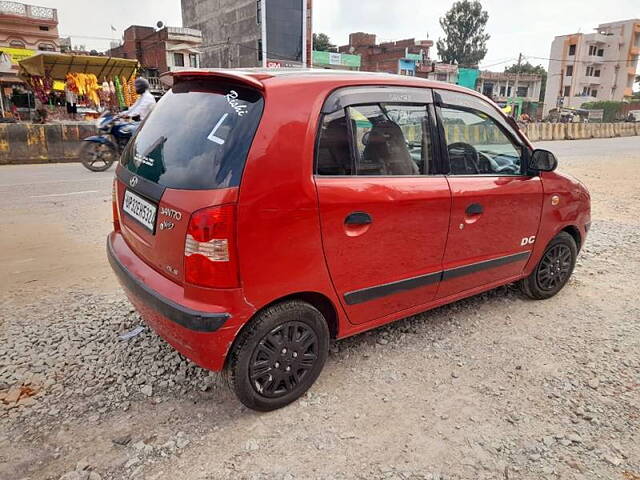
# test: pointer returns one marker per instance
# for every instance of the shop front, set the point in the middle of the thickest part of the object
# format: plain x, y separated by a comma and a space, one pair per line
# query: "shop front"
15, 99
77, 87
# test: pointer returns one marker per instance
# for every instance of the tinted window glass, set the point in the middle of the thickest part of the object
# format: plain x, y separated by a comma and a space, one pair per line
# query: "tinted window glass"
477, 145
391, 139
457, 99
197, 137
334, 155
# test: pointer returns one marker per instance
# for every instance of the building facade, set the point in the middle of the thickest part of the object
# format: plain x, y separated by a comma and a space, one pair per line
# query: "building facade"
160, 50
252, 33
24, 31
404, 57
29, 27
501, 86
442, 72
596, 66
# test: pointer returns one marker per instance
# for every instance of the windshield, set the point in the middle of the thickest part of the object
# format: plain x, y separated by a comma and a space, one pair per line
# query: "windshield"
197, 137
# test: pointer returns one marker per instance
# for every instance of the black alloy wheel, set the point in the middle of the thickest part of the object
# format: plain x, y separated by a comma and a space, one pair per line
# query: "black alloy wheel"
278, 355
555, 267
283, 358
553, 270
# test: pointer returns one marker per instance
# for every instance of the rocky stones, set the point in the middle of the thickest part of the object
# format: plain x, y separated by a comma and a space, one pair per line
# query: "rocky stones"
147, 390
594, 383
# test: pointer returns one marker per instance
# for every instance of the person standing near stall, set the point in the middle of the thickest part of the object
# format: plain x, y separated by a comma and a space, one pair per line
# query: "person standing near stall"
71, 100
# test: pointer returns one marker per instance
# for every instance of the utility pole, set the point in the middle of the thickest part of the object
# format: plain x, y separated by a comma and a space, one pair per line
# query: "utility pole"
515, 87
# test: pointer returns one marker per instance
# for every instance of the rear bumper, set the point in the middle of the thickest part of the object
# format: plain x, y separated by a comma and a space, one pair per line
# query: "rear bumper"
202, 332
185, 317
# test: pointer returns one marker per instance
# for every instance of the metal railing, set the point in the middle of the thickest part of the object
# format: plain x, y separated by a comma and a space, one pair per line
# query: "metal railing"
184, 31
30, 11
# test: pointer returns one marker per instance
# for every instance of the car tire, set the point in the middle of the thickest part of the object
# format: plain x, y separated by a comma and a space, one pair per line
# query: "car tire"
278, 355
553, 270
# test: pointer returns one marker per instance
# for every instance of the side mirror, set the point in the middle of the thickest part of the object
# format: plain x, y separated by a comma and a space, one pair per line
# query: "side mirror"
543, 161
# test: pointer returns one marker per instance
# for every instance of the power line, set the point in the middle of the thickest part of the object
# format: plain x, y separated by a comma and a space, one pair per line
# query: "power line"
500, 63
578, 61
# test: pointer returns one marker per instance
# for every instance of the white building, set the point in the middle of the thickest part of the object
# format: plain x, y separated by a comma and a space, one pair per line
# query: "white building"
591, 67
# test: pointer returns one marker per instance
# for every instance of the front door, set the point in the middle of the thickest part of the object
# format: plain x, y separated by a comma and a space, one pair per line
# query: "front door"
496, 208
384, 211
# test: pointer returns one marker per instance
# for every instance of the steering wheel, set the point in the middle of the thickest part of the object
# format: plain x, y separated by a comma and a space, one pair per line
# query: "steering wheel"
468, 153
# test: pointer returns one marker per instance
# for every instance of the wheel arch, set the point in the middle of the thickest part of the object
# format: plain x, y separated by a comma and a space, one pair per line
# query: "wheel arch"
319, 301
575, 233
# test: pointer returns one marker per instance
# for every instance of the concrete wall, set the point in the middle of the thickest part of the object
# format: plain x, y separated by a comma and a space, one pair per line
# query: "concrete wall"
26, 143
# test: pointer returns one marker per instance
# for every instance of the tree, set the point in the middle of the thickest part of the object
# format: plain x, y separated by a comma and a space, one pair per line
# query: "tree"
465, 42
322, 43
527, 68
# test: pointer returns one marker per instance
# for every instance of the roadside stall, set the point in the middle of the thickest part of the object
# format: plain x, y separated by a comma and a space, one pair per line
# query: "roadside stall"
78, 87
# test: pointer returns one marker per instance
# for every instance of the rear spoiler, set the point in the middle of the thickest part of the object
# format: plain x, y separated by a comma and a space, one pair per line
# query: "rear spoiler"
239, 76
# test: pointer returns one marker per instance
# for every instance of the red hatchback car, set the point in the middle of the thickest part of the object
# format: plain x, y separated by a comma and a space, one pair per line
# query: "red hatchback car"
259, 214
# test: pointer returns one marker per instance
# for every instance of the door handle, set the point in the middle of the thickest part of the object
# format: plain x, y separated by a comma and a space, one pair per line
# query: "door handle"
474, 209
358, 218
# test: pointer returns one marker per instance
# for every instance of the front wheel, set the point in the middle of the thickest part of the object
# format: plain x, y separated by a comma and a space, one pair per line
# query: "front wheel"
279, 355
97, 157
553, 270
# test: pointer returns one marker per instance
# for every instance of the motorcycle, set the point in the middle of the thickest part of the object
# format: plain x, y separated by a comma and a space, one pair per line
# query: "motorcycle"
100, 151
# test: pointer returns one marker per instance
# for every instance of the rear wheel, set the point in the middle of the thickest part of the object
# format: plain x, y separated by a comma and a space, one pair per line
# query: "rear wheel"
554, 269
97, 157
279, 355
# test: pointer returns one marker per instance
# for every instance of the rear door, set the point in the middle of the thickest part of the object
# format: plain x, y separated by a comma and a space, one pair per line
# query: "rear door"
384, 207
189, 154
496, 206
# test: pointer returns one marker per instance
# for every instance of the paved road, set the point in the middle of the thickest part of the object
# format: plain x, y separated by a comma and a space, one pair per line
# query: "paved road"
59, 214
55, 218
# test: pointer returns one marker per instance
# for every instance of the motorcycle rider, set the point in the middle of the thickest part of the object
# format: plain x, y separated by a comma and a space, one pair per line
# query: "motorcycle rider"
145, 102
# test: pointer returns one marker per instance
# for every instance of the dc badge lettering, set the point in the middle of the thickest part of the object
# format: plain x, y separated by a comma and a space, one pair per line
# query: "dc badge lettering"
528, 241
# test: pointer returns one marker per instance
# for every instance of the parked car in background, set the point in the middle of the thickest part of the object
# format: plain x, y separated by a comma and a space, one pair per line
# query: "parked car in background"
257, 215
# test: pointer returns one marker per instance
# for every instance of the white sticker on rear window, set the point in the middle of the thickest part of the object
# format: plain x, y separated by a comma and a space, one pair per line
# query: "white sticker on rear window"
212, 135
237, 106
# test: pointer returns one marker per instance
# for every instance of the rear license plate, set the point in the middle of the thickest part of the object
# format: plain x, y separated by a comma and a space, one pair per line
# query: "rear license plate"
141, 210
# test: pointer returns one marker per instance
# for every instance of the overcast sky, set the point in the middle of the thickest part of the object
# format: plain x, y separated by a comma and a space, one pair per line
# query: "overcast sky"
514, 26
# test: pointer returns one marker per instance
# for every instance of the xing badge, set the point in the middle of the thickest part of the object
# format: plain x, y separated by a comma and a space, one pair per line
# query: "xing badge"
167, 225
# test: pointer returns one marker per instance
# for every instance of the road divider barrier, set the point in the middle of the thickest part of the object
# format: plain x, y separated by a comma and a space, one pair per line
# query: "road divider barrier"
579, 131
29, 143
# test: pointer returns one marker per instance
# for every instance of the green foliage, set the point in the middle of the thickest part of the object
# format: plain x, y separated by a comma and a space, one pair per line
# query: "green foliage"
465, 42
322, 43
528, 68
611, 109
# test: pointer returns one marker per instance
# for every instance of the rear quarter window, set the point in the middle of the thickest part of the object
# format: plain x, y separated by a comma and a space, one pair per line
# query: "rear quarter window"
197, 137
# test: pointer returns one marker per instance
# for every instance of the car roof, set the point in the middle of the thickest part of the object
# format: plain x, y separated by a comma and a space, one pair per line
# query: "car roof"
264, 77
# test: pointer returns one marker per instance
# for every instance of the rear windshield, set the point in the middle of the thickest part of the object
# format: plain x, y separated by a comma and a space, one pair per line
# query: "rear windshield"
197, 137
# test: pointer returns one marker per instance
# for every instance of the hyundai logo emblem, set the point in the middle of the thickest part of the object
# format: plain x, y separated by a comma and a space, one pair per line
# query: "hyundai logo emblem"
134, 181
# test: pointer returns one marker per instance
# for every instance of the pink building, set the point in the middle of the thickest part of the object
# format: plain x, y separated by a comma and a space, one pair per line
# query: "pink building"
24, 30
28, 27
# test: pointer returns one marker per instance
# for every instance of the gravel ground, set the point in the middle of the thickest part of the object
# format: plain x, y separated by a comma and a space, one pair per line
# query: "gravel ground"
495, 386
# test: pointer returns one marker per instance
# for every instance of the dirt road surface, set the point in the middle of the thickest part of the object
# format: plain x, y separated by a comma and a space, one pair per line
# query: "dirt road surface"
495, 387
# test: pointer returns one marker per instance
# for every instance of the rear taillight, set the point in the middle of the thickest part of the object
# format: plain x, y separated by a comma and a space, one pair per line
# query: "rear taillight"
210, 258
114, 206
